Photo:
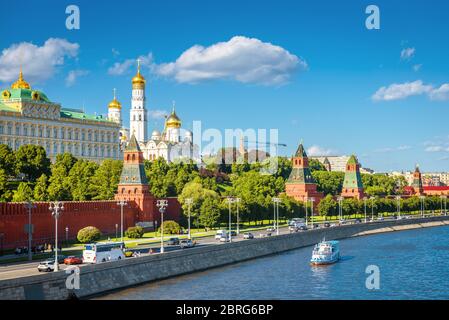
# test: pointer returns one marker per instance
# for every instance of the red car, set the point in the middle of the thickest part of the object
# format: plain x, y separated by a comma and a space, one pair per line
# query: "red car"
73, 260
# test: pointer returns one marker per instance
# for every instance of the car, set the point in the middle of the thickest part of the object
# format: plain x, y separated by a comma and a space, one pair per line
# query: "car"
219, 234
302, 228
186, 243
270, 229
326, 225
315, 226
358, 221
73, 260
380, 218
46, 266
248, 235
128, 253
233, 233
173, 241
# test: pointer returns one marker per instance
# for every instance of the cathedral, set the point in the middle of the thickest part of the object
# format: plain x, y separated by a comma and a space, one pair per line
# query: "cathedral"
173, 143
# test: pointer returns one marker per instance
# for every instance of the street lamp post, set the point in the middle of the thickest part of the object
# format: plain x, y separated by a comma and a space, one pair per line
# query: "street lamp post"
398, 199
121, 203
116, 231
67, 236
443, 199
29, 205
56, 207
237, 200
307, 220
340, 208
230, 200
422, 198
312, 200
372, 207
189, 202
364, 203
162, 205
276, 213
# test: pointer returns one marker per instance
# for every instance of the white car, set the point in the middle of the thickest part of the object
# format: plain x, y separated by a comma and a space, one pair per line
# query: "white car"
187, 243
248, 235
224, 238
46, 266
219, 234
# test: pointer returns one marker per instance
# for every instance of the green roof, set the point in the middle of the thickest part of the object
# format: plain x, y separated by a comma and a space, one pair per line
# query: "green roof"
26, 94
301, 176
133, 174
352, 160
301, 152
79, 114
132, 146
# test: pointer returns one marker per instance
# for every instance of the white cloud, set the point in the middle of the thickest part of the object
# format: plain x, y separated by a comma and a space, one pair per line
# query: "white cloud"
407, 53
124, 67
401, 91
442, 93
316, 150
400, 148
74, 75
38, 62
242, 59
115, 52
157, 114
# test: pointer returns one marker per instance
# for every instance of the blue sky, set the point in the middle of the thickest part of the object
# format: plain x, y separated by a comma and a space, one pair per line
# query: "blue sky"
308, 68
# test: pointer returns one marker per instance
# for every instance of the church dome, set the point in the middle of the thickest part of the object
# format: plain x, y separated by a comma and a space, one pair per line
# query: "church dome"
155, 135
114, 104
20, 83
173, 120
138, 80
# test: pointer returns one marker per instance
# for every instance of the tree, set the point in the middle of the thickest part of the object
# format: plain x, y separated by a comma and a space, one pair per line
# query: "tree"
210, 209
32, 161
79, 179
7, 160
134, 232
316, 165
329, 182
327, 206
5, 193
40, 189
171, 227
88, 235
23, 193
103, 184
59, 188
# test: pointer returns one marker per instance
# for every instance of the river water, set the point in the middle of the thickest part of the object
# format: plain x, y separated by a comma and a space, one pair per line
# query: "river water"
413, 264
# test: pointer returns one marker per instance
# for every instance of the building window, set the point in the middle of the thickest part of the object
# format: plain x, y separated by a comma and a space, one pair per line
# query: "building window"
1, 128
55, 133
48, 132
17, 130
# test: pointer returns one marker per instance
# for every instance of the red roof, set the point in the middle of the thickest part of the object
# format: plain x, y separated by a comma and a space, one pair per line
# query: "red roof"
436, 188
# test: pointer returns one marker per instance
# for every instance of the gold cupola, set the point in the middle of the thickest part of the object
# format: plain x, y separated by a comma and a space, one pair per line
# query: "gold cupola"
138, 80
115, 103
20, 83
173, 120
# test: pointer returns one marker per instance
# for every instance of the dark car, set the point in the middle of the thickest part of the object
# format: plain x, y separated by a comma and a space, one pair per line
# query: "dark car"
233, 233
173, 241
358, 221
302, 228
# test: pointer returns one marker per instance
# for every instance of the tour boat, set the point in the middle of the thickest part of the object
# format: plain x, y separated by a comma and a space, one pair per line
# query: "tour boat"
325, 252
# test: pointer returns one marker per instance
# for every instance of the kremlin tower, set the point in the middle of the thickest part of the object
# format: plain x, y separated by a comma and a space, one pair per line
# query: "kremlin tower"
417, 182
352, 185
301, 185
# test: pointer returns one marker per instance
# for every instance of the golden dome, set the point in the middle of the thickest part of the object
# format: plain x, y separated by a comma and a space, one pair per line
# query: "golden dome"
138, 80
115, 103
20, 83
173, 120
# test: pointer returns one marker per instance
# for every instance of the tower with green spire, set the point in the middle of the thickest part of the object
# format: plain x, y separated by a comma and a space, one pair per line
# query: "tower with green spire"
300, 184
352, 185
417, 181
133, 185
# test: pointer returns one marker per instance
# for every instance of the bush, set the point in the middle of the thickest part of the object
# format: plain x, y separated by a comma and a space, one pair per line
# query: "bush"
88, 235
134, 232
171, 227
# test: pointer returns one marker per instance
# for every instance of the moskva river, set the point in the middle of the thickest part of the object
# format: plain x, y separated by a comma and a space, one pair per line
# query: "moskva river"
412, 264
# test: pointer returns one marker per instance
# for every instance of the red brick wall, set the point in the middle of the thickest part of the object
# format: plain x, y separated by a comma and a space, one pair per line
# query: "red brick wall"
76, 215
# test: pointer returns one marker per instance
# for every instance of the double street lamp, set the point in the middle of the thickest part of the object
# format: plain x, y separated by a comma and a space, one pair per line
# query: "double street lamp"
237, 201
422, 198
276, 202
340, 208
364, 203
121, 203
312, 200
162, 205
189, 202
372, 207
29, 206
56, 207
398, 199
305, 204
230, 200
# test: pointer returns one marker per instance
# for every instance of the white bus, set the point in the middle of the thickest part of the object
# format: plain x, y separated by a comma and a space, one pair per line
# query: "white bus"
103, 252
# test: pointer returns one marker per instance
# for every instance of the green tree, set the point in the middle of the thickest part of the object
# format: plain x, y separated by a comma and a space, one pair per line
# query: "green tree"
103, 184
32, 161
316, 165
134, 232
23, 193
171, 227
79, 179
210, 209
7, 160
40, 189
327, 206
5, 193
88, 235
329, 182
59, 187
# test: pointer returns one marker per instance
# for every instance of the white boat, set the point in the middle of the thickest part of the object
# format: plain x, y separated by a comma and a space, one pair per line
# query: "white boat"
325, 252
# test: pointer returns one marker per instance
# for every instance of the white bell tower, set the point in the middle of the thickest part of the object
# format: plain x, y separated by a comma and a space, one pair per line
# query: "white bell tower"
138, 115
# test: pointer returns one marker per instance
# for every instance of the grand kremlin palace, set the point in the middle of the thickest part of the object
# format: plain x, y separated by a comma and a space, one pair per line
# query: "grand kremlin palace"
28, 116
